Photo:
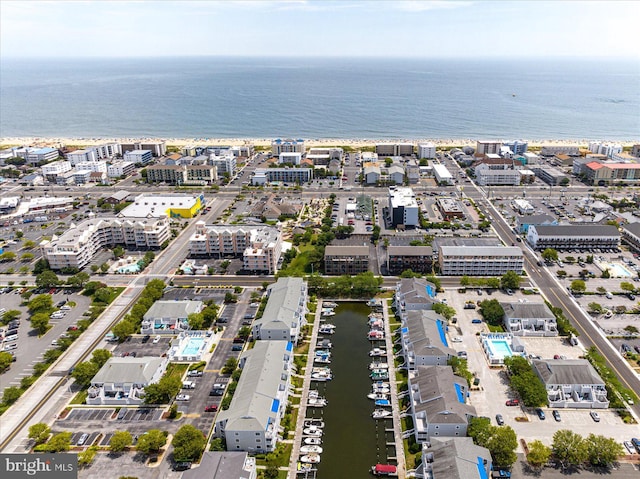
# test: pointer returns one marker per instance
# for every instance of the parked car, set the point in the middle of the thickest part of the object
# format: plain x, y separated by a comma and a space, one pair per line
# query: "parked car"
512, 402
499, 419
211, 408
182, 466
556, 415
630, 447
476, 321
194, 373
183, 397
83, 439
156, 340
595, 416
540, 414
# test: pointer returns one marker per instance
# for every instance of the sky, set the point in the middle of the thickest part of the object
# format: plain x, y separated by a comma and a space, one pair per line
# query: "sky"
341, 28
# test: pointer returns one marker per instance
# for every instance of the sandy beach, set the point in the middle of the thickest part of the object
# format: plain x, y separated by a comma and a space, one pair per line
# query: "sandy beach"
317, 142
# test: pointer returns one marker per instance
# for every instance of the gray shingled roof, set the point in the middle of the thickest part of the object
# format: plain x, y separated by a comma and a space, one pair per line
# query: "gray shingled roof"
283, 302
220, 465
535, 219
438, 395
409, 250
567, 371
127, 370
527, 310
456, 457
333, 250
172, 309
424, 335
633, 228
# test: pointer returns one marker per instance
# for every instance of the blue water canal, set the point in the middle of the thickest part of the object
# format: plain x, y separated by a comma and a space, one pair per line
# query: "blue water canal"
353, 441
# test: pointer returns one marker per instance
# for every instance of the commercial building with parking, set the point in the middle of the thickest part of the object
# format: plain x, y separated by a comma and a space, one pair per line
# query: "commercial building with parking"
562, 237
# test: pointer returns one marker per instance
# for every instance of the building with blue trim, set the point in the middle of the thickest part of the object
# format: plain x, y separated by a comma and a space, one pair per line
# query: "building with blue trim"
424, 340
285, 312
413, 294
455, 458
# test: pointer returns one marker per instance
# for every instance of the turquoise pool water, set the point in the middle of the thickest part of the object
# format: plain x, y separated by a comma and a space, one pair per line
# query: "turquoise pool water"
617, 270
192, 347
499, 348
131, 268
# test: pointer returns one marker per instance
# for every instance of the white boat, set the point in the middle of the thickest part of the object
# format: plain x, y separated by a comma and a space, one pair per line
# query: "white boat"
377, 365
329, 305
313, 432
322, 360
321, 376
373, 335
316, 402
378, 325
325, 344
376, 396
328, 312
381, 390
312, 441
377, 352
310, 458
317, 423
311, 449
327, 329
381, 414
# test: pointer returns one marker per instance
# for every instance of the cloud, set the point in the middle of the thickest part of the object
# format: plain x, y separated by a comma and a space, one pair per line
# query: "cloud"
426, 5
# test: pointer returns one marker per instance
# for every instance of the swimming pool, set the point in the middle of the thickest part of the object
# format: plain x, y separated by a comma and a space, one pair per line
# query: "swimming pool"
616, 270
192, 347
130, 268
498, 346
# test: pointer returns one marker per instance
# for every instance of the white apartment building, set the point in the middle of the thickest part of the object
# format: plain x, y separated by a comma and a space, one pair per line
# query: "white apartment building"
78, 245
479, 260
284, 175
56, 168
285, 312
39, 155
426, 150
81, 177
80, 156
98, 166
403, 207
442, 174
108, 150
139, 156
286, 146
485, 177
553, 150
562, 237
157, 148
523, 207
602, 148
260, 246
120, 168
224, 164
293, 158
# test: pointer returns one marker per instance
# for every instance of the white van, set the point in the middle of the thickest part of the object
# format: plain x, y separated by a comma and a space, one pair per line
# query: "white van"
13, 337
609, 295
188, 385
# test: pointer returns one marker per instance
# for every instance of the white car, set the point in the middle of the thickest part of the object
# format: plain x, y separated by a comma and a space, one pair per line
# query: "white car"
156, 340
182, 397
456, 339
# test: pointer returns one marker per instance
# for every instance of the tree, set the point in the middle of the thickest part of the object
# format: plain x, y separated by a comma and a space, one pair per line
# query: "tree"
230, 298
151, 441
11, 394
94, 268
40, 303
210, 314
561, 273
87, 456
492, 311
550, 255
445, 310
118, 252
100, 357
538, 455
40, 322
510, 280
595, 307
230, 366
27, 257
578, 286
465, 281
196, 321
188, 443
7, 256
602, 451
606, 274
480, 430
5, 361
120, 441
162, 391
40, 266
502, 444
59, 443
104, 267
10, 315
103, 295
493, 283
79, 280
84, 373
47, 279
569, 448
601, 290
124, 329
631, 329
628, 287
39, 432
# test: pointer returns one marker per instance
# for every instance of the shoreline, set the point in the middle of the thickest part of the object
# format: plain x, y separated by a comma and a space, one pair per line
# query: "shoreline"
262, 142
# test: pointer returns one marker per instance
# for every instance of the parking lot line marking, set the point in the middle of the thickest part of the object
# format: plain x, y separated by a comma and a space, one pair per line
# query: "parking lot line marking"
211, 370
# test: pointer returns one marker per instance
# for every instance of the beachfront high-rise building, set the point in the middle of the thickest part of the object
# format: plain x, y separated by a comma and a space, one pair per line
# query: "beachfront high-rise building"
139, 156
224, 164
484, 147
426, 150
517, 147
286, 146
394, 149
602, 148
120, 168
157, 148
79, 156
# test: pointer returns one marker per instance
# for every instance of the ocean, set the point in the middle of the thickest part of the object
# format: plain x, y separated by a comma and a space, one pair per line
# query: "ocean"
320, 98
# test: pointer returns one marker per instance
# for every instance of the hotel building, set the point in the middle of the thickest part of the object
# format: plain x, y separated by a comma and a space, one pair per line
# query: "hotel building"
563, 237
286, 146
479, 260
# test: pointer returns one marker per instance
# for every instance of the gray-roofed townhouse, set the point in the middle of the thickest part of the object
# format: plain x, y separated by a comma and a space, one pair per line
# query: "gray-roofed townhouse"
223, 465
395, 173
121, 381
413, 294
572, 383
424, 339
529, 319
285, 311
371, 174
252, 422
438, 403
169, 317
454, 458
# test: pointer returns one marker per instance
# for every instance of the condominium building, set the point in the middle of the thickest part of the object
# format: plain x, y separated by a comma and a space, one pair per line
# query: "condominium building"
426, 151
157, 148
529, 319
171, 174
414, 294
293, 158
631, 235
260, 247
403, 207
41, 155
418, 259
394, 149
635, 150
563, 237
607, 149
442, 174
479, 260
454, 458
169, 316
517, 147
346, 259
225, 164
139, 156
487, 177
284, 175
56, 168
286, 146
553, 150
424, 340
524, 222
603, 174
484, 147
285, 312
120, 168
550, 175
108, 150
99, 166
252, 421
322, 156
79, 156
78, 245
372, 174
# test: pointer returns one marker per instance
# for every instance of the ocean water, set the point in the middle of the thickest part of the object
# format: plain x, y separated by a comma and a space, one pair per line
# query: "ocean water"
320, 98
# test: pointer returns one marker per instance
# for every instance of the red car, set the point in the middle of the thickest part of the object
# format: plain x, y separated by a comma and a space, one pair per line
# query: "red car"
211, 408
512, 402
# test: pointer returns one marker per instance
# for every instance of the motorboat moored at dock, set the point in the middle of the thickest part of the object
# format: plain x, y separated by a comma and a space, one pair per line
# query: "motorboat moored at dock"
306, 449
312, 441
310, 458
388, 470
376, 396
379, 374
377, 352
381, 414
375, 335
377, 365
